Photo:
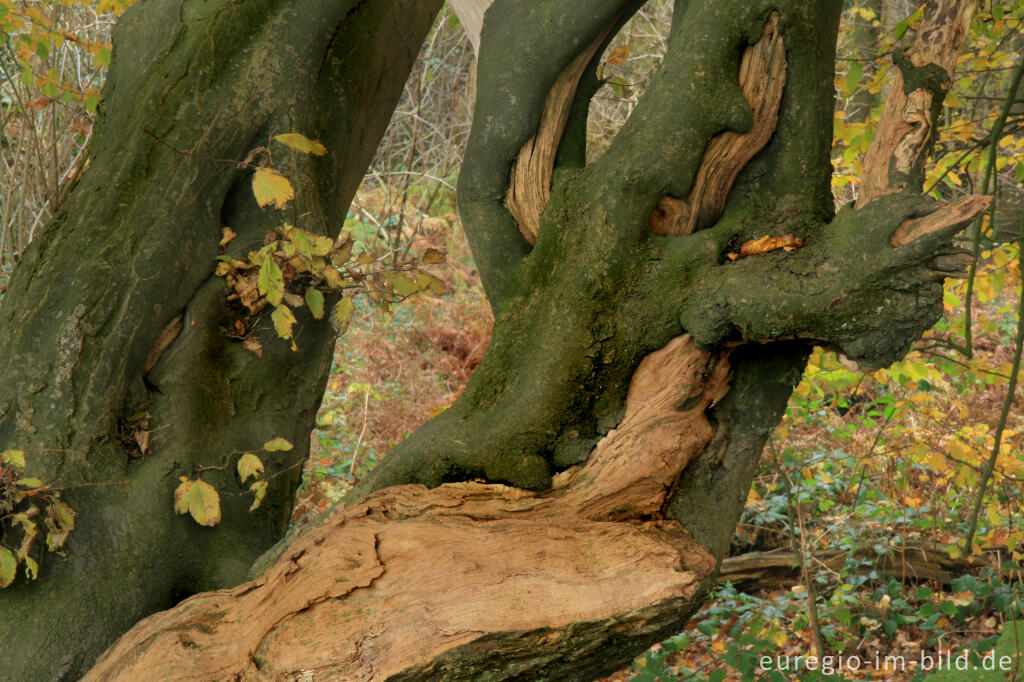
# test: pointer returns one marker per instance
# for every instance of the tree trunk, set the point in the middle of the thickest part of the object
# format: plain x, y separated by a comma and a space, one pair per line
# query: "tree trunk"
643, 350
115, 323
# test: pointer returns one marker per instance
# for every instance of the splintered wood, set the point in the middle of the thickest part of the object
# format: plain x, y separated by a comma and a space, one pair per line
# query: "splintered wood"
904, 134
410, 578
529, 189
901, 140
762, 79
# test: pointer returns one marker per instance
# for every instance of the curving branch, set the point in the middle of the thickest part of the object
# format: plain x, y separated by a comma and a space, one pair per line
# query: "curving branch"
762, 78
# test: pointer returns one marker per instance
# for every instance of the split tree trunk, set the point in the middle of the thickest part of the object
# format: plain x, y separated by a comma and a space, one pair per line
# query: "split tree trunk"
115, 322
603, 517
635, 370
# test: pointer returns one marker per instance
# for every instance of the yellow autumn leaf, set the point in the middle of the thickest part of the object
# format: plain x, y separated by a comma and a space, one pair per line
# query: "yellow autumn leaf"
301, 143
283, 320
259, 490
277, 444
270, 187
249, 465
200, 499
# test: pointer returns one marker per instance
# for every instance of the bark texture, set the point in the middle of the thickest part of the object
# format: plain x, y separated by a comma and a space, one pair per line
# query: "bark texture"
466, 579
116, 318
615, 477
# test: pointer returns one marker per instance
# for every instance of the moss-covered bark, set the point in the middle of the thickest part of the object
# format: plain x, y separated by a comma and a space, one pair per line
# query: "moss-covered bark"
193, 86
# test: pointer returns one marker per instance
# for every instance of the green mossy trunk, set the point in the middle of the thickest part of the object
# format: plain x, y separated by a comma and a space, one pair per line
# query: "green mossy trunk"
193, 86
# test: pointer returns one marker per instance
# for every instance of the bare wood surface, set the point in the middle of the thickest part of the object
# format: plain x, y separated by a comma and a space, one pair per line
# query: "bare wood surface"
408, 576
529, 189
762, 78
902, 137
471, 16
961, 211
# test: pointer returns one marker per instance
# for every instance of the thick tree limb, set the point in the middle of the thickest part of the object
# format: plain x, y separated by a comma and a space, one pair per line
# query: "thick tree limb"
529, 189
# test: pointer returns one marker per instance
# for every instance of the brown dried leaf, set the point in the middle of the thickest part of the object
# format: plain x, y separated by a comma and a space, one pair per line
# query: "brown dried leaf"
227, 234
618, 55
766, 244
253, 346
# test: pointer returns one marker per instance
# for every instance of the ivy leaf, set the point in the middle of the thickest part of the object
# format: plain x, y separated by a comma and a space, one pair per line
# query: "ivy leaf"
277, 444
283, 321
249, 465
301, 143
8, 567
259, 489
200, 499
315, 301
14, 458
270, 187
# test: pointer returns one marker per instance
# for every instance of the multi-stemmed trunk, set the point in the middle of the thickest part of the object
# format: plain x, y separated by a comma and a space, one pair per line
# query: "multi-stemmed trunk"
640, 358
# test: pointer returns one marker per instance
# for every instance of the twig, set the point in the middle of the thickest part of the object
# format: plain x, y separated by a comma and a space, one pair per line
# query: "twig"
990, 465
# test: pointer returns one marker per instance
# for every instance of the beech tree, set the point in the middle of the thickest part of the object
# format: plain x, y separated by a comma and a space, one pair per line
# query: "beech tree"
653, 310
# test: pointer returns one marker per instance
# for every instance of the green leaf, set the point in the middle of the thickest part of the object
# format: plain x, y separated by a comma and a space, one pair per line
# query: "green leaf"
249, 465
8, 567
200, 499
402, 283
303, 241
901, 29
259, 489
14, 458
283, 320
853, 76
301, 143
271, 281
270, 187
277, 444
427, 281
315, 301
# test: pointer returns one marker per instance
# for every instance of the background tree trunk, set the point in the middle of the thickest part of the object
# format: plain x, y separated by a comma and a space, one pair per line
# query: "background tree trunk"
116, 311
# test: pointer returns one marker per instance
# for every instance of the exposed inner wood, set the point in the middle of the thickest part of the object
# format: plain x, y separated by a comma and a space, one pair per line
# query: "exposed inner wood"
471, 16
902, 136
394, 582
960, 211
529, 189
762, 78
